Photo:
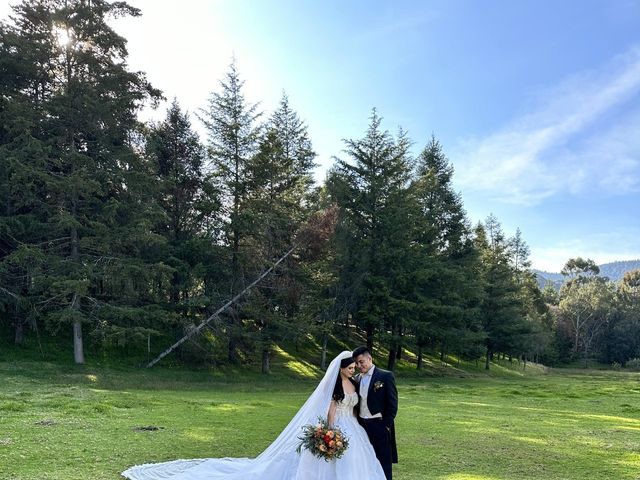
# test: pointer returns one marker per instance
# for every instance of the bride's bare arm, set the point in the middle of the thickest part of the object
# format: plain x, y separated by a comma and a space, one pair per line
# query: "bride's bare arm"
331, 415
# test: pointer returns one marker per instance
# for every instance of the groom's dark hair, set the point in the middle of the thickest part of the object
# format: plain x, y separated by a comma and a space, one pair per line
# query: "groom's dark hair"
361, 351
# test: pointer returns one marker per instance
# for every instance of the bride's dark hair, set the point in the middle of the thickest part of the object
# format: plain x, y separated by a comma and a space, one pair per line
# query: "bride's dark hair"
338, 391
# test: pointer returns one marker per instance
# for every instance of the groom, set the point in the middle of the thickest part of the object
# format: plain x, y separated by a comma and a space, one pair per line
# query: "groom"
378, 408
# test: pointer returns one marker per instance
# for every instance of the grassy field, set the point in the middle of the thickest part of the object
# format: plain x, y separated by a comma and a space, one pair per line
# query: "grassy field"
67, 422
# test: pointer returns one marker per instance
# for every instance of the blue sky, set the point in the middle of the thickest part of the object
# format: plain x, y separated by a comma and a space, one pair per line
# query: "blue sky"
536, 103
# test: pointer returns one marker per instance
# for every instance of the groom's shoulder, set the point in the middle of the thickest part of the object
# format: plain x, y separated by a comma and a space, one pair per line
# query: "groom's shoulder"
385, 373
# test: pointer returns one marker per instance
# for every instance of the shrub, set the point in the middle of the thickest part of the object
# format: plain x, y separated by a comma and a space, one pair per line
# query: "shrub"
634, 364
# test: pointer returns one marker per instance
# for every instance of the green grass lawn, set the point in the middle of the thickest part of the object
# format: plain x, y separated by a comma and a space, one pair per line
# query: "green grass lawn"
64, 422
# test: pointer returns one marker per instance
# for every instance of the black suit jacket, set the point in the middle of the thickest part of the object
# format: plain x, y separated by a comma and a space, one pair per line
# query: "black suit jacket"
382, 397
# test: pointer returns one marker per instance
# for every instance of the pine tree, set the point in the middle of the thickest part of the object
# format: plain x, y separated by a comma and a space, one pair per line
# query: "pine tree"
533, 308
189, 204
179, 159
89, 182
22, 220
278, 202
446, 292
375, 232
233, 138
499, 310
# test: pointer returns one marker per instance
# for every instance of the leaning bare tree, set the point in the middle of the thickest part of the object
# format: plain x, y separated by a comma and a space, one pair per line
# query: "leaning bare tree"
309, 242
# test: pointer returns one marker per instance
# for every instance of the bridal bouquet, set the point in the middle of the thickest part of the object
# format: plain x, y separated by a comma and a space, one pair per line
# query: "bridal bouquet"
323, 441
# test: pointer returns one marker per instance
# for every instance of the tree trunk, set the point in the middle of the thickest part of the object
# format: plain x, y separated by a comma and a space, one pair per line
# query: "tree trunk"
399, 349
220, 310
393, 346
19, 337
391, 364
231, 350
231, 338
419, 363
370, 332
78, 351
347, 325
586, 352
265, 359
488, 359
174, 290
235, 247
8, 209
78, 346
323, 357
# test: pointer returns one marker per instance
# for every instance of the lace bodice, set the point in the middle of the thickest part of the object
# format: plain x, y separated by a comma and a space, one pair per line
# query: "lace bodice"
345, 407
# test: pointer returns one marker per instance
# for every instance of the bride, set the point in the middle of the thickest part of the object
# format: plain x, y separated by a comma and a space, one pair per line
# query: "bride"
336, 398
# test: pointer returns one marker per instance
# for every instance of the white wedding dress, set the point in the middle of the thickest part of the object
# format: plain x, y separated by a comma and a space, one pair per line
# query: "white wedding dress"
280, 461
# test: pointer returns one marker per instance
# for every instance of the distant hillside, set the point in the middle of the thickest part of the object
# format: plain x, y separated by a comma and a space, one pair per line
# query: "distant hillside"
614, 271
543, 278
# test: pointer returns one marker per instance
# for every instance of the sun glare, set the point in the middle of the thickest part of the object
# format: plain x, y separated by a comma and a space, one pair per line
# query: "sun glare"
62, 35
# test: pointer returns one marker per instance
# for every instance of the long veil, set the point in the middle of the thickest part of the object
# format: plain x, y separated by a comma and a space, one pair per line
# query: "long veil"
278, 461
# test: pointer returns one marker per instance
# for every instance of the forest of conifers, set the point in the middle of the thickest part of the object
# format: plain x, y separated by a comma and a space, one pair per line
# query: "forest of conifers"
117, 237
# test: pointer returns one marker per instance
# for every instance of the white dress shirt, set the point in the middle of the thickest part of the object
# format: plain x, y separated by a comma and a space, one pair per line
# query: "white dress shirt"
365, 380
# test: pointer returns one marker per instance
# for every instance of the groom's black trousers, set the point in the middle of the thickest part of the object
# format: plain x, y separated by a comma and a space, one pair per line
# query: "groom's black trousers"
381, 441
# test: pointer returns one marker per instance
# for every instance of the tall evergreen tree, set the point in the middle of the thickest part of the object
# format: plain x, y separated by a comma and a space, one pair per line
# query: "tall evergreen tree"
533, 308
179, 160
90, 182
189, 204
519, 252
22, 220
278, 202
375, 261
233, 139
444, 254
500, 314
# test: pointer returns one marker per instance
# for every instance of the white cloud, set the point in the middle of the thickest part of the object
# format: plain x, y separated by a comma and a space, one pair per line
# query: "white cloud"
573, 140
